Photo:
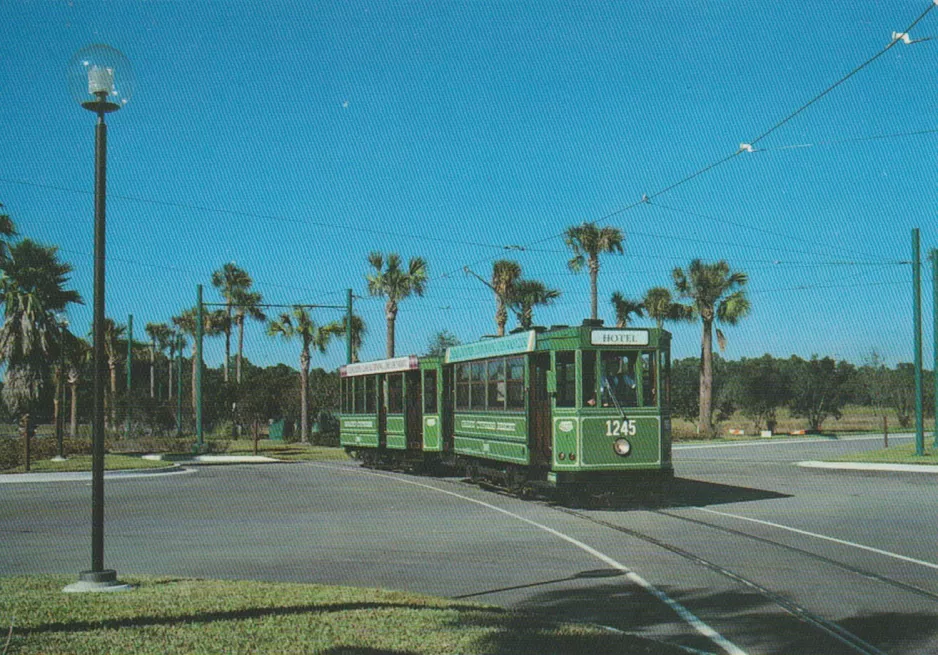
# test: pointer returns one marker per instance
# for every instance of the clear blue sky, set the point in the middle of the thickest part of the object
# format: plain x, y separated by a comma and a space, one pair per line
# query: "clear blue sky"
493, 123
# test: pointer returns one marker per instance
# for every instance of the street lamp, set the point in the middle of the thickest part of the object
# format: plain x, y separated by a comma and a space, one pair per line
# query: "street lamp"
101, 80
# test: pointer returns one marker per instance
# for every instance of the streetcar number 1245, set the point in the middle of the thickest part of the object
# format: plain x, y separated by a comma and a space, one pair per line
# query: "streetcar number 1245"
616, 428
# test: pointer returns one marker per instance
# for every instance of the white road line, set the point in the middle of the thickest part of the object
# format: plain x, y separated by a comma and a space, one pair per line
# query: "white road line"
679, 609
835, 540
776, 442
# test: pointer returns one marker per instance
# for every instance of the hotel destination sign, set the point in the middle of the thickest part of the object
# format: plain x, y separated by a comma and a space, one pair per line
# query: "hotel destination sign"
381, 366
619, 337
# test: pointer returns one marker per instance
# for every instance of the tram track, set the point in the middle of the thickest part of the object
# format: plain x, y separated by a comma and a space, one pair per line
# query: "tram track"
830, 628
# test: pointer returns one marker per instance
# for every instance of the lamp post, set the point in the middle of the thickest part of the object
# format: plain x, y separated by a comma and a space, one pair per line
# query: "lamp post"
101, 80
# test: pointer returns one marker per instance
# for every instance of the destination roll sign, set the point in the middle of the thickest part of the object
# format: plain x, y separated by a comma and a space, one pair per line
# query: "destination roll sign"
619, 337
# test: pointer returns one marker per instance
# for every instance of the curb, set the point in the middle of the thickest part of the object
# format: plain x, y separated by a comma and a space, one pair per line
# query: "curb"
85, 476
215, 459
870, 466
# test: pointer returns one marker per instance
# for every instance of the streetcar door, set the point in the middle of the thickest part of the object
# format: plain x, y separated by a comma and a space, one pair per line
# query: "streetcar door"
446, 410
540, 410
382, 410
414, 427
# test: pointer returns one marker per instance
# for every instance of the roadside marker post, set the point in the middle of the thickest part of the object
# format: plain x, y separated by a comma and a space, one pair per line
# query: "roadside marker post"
917, 307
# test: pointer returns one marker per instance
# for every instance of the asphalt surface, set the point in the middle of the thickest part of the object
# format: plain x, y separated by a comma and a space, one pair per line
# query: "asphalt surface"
772, 557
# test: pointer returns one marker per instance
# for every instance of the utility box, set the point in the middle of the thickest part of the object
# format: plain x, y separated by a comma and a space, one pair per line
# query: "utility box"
277, 430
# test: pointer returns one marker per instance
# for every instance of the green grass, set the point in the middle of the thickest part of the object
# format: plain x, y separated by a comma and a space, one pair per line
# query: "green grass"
164, 615
83, 463
904, 454
287, 451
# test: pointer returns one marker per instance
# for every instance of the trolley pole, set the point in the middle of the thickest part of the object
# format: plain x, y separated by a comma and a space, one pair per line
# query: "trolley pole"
348, 328
130, 364
917, 305
178, 385
199, 318
934, 313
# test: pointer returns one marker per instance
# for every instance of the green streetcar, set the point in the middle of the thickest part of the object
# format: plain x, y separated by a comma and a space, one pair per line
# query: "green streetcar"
566, 407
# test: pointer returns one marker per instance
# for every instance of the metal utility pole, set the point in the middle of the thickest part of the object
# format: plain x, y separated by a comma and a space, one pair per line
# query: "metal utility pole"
130, 364
348, 328
199, 318
917, 305
178, 385
934, 314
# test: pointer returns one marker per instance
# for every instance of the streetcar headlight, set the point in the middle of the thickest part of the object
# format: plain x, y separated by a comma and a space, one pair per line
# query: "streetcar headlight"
622, 447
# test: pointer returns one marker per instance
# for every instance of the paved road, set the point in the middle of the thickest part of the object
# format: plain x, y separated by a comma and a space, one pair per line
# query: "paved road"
772, 557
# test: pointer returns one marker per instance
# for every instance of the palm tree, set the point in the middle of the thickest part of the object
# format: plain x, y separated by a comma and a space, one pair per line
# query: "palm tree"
213, 324
393, 283
32, 288
625, 307
300, 325
339, 330
527, 295
660, 306
247, 305
230, 281
715, 293
177, 344
7, 232
77, 358
588, 242
112, 350
505, 273
160, 335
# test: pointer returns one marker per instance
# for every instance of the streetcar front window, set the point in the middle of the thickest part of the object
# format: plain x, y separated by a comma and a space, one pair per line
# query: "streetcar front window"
566, 378
618, 381
649, 380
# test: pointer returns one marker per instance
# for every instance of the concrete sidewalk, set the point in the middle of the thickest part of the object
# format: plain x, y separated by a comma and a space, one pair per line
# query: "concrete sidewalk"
871, 466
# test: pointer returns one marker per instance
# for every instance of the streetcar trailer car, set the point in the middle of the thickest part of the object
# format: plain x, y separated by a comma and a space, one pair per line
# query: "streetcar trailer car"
566, 406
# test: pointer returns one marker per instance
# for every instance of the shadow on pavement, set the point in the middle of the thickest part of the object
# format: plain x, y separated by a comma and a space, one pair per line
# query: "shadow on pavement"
755, 622
681, 492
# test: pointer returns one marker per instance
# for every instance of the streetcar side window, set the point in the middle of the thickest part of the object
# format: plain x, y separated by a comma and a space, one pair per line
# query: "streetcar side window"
396, 394
589, 378
566, 378
665, 368
649, 380
515, 383
462, 386
370, 395
429, 392
495, 385
359, 395
477, 385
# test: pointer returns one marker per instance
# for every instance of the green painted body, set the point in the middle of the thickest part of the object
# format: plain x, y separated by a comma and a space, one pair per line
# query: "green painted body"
359, 430
490, 435
582, 437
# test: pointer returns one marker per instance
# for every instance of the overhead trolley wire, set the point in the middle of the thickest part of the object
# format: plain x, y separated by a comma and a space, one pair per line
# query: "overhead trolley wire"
271, 217
744, 147
884, 50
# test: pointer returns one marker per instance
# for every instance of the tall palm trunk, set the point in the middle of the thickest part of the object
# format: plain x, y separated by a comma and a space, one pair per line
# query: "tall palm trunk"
153, 369
228, 342
240, 347
172, 361
112, 405
594, 287
706, 376
73, 417
304, 395
501, 317
391, 315
57, 404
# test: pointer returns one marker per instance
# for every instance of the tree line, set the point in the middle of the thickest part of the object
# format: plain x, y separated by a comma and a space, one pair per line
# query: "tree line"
816, 389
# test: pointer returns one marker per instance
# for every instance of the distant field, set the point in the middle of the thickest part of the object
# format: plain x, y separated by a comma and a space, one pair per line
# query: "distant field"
855, 419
